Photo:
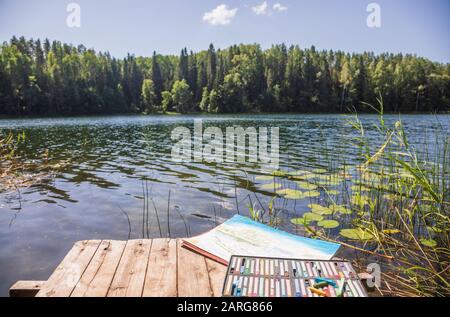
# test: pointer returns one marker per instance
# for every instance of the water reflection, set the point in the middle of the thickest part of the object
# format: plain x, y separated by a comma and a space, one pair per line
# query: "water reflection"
105, 162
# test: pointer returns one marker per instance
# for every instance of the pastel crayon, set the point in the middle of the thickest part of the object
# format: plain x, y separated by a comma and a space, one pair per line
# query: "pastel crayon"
354, 289
233, 265
267, 267
277, 288
317, 291
328, 281
267, 287
261, 287
297, 288
307, 285
304, 269
244, 286
272, 288
250, 287
303, 288
281, 268
341, 288
332, 291
255, 286
283, 287
288, 288
309, 269
320, 285
294, 269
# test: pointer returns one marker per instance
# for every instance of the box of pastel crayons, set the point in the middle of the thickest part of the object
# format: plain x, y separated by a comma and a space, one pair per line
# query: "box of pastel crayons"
270, 277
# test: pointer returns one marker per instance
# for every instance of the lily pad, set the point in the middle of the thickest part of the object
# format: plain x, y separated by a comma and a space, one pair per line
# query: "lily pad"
333, 192
341, 209
291, 194
428, 242
312, 217
264, 178
300, 221
306, 185
279, 173
357, 188
328, 224
271, 186
320, 210
311, 194
356, 234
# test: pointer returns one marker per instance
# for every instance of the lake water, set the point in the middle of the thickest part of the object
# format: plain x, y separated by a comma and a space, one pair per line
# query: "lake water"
107, 164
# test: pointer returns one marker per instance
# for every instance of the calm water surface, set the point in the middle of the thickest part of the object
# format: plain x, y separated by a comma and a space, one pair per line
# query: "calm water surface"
108, 163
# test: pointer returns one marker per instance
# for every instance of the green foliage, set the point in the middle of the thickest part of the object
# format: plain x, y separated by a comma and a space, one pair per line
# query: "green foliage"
182, 97
148, 96
54, 78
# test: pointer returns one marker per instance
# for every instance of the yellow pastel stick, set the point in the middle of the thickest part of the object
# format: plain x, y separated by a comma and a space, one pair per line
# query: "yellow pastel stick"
318, 291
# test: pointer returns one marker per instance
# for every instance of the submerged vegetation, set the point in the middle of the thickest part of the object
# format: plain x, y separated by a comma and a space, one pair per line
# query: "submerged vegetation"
394, 207
16, 172
53, 78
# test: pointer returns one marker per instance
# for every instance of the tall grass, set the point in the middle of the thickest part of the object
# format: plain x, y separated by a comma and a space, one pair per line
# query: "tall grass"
392, 207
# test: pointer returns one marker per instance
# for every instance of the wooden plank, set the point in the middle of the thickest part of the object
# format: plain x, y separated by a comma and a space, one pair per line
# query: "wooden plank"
25, 288
66, 276
97, 278
193, 279
217, 273
130, 275
161, 277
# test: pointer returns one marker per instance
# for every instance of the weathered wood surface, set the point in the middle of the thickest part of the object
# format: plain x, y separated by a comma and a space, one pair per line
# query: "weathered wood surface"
135, 268
25, 288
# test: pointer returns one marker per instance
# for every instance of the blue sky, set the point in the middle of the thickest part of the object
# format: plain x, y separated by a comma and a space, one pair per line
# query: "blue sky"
141, 26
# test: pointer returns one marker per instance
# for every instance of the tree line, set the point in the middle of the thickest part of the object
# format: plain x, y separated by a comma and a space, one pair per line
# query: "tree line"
53, 78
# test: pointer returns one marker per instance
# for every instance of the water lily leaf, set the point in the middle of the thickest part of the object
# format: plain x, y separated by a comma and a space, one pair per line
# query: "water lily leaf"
320, 210
306, 185
312, 217
328, 224
291, 194
279, 173
428, 242
311, 194
356, 234
358, 188
332, 192
300, 221
341, 209
271, 186
264, 178
319, 171
298, 173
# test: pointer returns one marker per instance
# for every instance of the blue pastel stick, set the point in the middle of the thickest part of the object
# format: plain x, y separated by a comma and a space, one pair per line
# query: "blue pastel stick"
328, 281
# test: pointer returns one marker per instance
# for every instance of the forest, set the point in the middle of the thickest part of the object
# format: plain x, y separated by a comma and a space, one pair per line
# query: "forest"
52, 78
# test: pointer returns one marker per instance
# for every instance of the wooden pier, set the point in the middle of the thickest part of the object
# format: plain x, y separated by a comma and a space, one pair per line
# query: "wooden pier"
135, 268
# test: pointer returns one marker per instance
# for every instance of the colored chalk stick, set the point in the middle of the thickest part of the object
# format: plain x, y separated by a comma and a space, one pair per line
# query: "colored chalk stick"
328, 281
317, 291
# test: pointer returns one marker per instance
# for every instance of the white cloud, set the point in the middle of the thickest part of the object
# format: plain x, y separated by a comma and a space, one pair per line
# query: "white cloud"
221, 15
261, 9
279, 7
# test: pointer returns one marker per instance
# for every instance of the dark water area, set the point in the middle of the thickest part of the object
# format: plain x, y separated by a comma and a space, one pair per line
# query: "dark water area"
106, 165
